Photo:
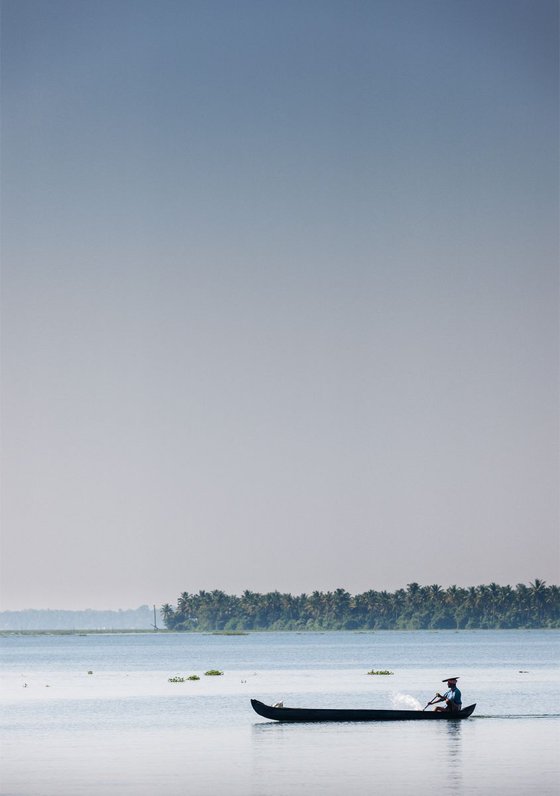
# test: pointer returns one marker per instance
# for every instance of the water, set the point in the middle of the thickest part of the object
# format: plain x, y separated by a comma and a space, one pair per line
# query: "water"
126, 731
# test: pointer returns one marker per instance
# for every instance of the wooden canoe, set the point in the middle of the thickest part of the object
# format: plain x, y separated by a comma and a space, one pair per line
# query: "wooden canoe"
337, 714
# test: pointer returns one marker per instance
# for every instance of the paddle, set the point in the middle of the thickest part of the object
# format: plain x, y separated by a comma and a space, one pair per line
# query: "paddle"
435, 699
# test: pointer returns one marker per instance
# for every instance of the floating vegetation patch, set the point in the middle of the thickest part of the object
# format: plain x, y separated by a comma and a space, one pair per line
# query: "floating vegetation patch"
380, 671
230, 633
176, 679
193, 677
213, 673
90, 672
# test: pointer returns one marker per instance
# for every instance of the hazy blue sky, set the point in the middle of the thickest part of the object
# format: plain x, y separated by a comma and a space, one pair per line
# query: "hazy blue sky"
280, 296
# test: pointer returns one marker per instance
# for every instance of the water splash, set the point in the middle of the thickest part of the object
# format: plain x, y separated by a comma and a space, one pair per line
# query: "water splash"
405, 702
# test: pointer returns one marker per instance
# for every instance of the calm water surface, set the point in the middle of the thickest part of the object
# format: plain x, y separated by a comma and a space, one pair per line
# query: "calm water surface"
126, 730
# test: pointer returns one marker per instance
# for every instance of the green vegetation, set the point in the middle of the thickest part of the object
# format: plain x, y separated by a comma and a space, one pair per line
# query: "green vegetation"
380, 671
416, 607
193, 677
179, 679
213, 673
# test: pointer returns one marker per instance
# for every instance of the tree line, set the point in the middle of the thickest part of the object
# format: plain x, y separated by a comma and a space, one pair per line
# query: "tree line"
416, 607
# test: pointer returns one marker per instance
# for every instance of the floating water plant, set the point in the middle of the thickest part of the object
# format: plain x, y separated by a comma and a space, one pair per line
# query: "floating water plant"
176, 679
193, 677
380, 671
90, 672
213, 673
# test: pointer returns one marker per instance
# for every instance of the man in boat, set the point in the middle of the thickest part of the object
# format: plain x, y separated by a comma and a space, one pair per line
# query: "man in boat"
452, 697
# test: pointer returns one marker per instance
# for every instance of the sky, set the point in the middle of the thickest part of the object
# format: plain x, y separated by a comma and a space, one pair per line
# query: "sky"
279, 297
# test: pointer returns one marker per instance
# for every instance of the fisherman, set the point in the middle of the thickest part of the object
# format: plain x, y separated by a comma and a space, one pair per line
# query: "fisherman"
452, 697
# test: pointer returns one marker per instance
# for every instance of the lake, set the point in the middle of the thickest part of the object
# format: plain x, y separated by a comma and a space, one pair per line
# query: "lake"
125, 730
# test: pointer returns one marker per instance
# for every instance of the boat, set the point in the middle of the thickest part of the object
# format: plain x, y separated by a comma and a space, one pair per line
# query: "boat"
337, 714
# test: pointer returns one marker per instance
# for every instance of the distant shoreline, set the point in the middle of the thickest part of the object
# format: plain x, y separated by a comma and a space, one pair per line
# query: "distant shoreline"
88, 620
165, 632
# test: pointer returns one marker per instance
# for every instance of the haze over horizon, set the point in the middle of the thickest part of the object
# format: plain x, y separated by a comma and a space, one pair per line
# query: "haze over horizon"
279, 297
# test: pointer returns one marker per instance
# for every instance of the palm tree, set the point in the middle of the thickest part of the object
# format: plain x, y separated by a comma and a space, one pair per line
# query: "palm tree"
168, 615
384, 612
365, 608
248, 608
492, 604
552, 604
506, 606
412, 594
537, 593
468, 610
340, 607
